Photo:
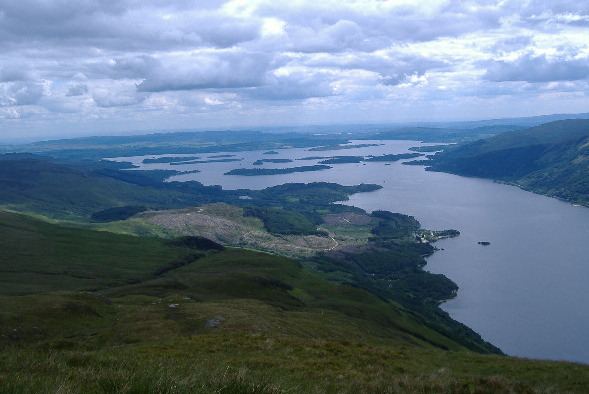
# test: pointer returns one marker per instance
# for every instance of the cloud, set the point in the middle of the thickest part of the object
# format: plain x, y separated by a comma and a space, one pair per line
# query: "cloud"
77, 89
20, 93
228, 69
79, 104
128, 67
295, 84
539, 68
117, 95
156, 59
547, 9
340, 36
382, 22
12, 72
212, 29
392, 67
123, 25
512, 44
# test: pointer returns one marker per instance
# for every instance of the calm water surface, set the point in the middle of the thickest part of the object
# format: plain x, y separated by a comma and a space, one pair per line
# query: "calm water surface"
527, 292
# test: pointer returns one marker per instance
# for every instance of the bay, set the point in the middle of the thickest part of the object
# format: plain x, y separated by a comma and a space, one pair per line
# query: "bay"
527, 292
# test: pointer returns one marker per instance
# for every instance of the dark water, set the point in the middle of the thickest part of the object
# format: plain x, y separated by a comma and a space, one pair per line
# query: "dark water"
527, 292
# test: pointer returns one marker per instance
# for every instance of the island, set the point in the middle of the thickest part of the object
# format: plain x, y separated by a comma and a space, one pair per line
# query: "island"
341, 147
169, 159
275, 171
394, 157
205, 161
343, 160
262, 161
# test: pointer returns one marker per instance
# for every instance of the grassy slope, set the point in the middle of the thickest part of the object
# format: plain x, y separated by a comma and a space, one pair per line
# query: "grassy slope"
40, 257
350, 254
233, 320
149, 344
549, 159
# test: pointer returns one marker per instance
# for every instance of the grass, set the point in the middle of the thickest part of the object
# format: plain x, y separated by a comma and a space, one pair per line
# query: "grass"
40, 257
249, 363
231, 321
81, 342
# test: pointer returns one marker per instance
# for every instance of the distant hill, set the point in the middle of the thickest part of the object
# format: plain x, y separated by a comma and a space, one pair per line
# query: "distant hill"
440, 134
549, 159
44, 186
523, 122
35, 184
179, 142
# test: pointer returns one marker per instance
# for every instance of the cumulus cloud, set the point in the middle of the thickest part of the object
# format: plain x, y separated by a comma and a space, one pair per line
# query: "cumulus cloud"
128, 67
391, 67
539, 68
20, 93
512, 44
295, 84
12, 72
342, 35
553, 9
140, 58
385, 21
77, 89
79, 104
122, 25
116, 95
230, 69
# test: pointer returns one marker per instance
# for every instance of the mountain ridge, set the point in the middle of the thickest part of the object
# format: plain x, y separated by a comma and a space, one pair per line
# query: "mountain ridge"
549, 159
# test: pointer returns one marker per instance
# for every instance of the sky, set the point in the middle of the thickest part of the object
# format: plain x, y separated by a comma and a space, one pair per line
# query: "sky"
101, 67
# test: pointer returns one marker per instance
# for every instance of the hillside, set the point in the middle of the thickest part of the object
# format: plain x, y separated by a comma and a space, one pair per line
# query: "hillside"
549, 159
40, 257
40, 185
43, 186
188, 315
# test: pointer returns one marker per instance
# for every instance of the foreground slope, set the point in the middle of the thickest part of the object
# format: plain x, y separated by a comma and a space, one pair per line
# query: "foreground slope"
188, 315
42, 257
550, 159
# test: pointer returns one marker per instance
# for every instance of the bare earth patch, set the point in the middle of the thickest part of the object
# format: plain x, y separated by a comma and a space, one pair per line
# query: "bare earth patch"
347, 218
225, 224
